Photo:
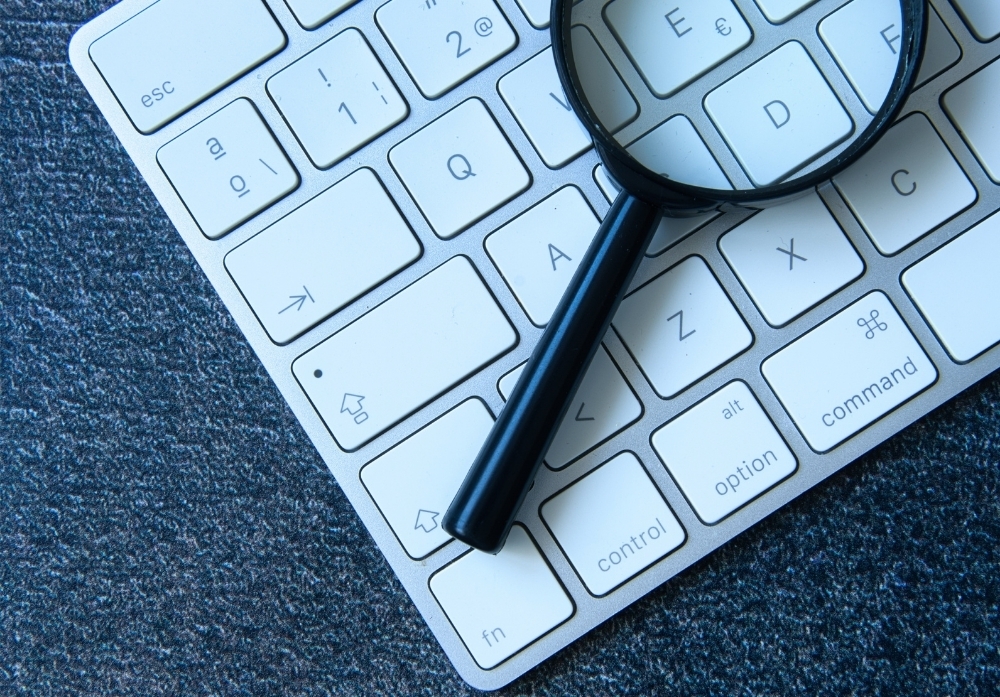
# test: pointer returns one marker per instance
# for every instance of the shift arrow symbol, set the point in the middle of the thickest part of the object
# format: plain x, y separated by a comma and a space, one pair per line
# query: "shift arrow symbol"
351, 404
426, 520
583, 418
299, 300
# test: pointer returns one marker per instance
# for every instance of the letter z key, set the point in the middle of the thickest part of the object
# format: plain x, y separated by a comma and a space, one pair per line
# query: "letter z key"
680, 326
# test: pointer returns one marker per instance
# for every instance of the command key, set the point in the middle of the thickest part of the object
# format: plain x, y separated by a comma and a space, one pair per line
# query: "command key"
849, 371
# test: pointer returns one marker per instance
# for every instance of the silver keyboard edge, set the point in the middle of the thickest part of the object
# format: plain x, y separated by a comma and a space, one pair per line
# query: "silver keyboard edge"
881, 273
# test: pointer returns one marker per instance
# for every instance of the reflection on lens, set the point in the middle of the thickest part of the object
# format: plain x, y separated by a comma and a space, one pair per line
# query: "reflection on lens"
727, 95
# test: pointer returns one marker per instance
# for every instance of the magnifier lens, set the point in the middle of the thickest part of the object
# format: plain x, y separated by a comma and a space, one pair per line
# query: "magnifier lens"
710, 95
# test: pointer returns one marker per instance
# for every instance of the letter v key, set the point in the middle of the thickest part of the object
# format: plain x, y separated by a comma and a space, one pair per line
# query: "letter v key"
564, 103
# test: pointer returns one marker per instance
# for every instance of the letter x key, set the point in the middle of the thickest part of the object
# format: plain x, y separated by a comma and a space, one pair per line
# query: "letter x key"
792, 256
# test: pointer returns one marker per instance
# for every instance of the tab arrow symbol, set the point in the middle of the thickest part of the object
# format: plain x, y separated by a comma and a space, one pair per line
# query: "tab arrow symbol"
299, 300
426, 520
583, 418
351, 404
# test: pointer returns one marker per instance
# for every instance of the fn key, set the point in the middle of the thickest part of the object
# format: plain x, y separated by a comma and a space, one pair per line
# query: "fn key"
500, 603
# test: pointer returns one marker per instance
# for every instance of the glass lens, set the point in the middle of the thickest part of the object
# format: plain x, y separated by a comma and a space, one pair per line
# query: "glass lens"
734, 95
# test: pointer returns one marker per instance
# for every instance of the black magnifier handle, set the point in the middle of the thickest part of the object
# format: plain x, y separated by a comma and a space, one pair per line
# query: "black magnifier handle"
485, 506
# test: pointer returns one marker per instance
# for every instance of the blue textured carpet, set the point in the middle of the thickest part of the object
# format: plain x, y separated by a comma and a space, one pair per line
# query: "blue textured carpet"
166, 528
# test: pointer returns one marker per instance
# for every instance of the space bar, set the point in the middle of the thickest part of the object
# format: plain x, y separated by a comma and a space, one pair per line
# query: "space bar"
404, 353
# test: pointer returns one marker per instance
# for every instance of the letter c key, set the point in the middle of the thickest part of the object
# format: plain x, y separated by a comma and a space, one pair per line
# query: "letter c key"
895, 184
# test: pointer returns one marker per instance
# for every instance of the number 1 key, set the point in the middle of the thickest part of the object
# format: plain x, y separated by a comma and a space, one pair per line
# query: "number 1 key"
337, 98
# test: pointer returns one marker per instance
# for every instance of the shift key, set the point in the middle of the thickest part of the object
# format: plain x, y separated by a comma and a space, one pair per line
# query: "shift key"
413, 347
849, 371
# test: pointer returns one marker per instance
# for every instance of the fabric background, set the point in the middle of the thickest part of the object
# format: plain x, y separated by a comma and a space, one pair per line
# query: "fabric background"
166, 528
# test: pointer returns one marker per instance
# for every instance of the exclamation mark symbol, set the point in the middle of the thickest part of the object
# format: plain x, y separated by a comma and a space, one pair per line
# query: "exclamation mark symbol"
324, 77
384, 101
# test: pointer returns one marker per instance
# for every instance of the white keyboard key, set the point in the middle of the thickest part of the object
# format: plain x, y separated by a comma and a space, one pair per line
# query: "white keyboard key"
864, 37
790, 257
175, 53
500, 603
404, 353
337, 98
673, 42
941, 51
905, 186
670, 230
957, 288
680, 326
675, 150
617, 106
603, 406
982, 16
778, 11
849, 371
227, 168
312, 13
972, 106
612, 524
724, 452
442, 43
608, 186
538, 251
536, 11
322, 256
779, 114
413, 484
459, 168
535, 96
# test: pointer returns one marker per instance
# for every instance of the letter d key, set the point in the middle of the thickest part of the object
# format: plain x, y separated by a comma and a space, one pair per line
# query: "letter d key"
778, 112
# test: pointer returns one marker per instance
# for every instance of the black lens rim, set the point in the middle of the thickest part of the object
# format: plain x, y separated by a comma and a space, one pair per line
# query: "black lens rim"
686, 199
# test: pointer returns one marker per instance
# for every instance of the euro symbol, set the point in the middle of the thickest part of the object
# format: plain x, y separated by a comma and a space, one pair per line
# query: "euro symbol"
466, 169
720, 26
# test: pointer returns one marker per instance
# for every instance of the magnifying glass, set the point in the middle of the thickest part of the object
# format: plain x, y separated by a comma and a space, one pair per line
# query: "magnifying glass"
693, 106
